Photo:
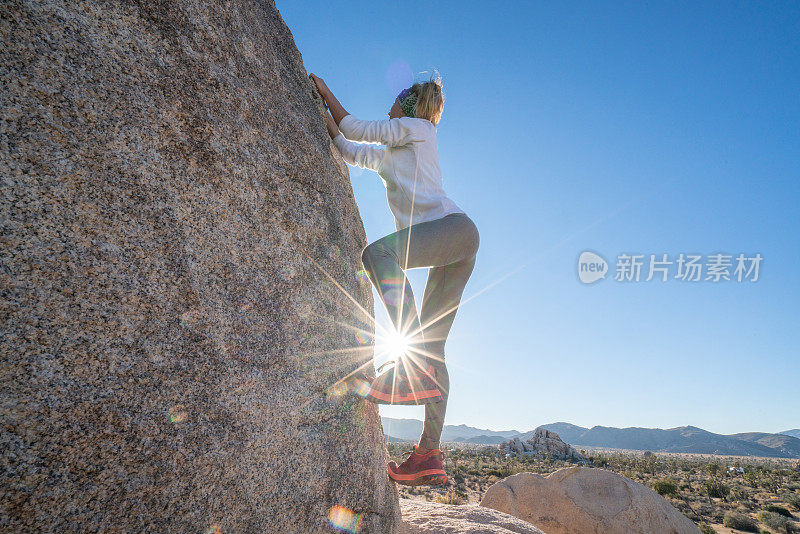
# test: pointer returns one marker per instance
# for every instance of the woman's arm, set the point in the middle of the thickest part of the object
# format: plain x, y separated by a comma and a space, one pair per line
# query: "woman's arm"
335, 107
392, 132
364, 156
330, 124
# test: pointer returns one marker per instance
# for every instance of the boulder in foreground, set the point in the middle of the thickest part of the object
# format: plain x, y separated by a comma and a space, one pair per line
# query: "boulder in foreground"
580, 500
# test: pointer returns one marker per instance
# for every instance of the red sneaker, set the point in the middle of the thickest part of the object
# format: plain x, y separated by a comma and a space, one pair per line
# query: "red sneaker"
419, 469
405, 383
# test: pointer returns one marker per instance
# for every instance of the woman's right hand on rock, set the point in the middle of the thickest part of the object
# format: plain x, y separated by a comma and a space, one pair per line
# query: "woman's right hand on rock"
331, 102
322, 89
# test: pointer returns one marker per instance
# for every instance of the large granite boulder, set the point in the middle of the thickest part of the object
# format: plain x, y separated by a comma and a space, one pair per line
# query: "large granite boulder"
422, 517
580, 500
171, 211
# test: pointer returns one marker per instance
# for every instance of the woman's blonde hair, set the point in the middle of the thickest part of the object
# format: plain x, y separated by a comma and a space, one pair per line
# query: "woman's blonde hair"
430, 99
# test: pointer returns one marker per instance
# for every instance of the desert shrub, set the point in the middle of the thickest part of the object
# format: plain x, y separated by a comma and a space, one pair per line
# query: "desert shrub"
739, 521
778, 510
775, 521
665, 486
793, 500
451, 497
705, 528
738, 493
715, 488
502, 472
746, 507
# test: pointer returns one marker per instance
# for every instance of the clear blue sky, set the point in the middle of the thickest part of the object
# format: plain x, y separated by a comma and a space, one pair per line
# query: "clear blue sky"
668, 127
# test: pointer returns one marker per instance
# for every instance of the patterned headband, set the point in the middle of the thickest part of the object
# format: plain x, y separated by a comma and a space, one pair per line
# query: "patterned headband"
408, 102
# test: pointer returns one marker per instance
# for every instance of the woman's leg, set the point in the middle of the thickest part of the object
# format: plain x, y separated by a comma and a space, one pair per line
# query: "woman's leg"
439, 306
448, 245
434, 243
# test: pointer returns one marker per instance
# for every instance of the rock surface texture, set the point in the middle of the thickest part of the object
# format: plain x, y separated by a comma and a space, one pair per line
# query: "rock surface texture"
579, 500
170, 199
545, 442
432, 518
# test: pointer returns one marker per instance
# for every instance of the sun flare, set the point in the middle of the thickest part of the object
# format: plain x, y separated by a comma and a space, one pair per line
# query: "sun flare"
396, 344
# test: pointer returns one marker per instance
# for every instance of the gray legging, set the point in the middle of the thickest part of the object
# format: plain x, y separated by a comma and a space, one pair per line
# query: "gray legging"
448, 246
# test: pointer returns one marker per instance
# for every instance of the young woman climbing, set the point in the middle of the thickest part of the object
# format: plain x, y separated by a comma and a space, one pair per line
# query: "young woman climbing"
432, 231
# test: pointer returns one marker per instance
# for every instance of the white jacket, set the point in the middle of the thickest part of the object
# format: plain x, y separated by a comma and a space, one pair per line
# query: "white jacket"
408, 166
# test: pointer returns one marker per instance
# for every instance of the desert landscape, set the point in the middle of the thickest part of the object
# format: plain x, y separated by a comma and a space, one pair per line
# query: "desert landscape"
718, 493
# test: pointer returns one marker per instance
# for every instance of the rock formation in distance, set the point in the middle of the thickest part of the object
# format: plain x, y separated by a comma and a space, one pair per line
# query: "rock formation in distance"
544, 442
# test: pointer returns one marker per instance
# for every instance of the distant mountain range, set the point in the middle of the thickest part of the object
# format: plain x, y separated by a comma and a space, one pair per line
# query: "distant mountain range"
410, 429
689, 439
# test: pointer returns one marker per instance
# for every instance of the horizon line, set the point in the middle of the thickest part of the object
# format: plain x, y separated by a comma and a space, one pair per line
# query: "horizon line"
594, 426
